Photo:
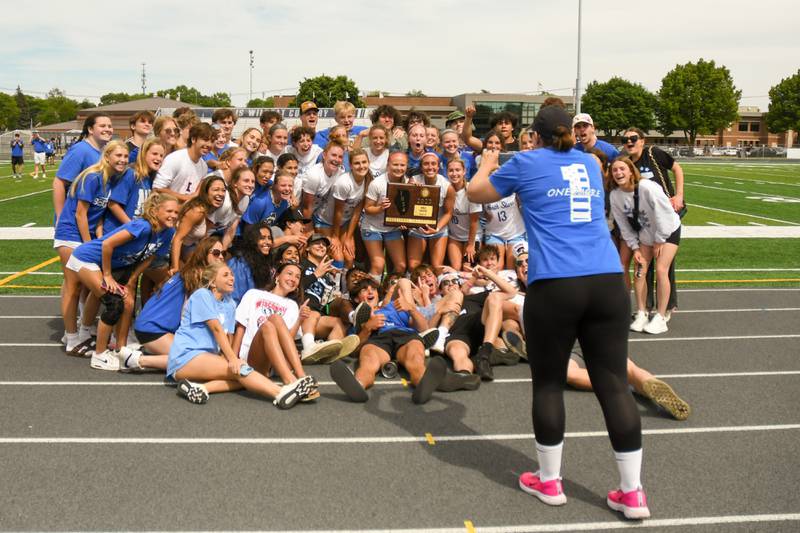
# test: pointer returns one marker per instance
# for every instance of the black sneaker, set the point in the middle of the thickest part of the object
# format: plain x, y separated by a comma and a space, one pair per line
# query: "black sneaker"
502, 357
515, 343
429, 337
361, 315
433, 376
461, 380
346, 380
483, 367
193, 392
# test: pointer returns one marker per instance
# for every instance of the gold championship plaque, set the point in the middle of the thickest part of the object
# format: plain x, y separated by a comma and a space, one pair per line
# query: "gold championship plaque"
412, 205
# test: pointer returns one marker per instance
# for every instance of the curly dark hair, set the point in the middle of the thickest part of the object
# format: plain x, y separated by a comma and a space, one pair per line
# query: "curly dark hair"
389, 111
261, 266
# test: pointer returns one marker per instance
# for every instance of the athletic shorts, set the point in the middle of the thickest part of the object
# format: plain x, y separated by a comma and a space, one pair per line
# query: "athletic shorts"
17, 160
318, 223
76, 264
468, 329
39, 158
146, 337
419, 235
675, 238
58, 243
499, 241
391, 341
393, 235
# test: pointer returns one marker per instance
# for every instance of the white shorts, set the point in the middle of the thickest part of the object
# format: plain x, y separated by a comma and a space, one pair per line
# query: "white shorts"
76, 265
39, 158
58, 243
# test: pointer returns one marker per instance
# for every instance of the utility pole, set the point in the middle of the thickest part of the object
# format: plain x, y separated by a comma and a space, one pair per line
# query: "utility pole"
144, 80
578, 79
251, 74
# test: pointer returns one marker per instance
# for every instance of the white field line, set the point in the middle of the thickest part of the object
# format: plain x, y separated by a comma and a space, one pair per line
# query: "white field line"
505, 381
746, 179
744, 214
377, 440
28, 225
24, 195
740, 191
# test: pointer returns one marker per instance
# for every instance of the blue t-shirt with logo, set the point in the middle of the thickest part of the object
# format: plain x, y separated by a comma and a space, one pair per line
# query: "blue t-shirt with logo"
561, 196
145, 243
39, 145
162, 312
16, 148
607, 148
78, 158
395, 320
128, 192
262, 207
92, 191
321, 138
194, 336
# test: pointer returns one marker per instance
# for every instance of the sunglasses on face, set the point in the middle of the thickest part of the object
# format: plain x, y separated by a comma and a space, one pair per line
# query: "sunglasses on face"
630, 140
218, 253
447, 282
171, 131
521, 262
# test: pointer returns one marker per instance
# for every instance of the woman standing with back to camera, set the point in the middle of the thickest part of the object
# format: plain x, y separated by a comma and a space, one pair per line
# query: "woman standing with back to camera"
576, 291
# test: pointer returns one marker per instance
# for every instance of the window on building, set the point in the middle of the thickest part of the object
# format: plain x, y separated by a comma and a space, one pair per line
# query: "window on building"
755, 127
743, 126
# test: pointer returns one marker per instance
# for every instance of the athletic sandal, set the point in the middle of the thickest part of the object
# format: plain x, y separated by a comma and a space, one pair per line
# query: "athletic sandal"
500, 357
662, 395
429, 337
632, 504
349, 345
293, 392
346, 380
549, 492
431, 379
193, 392
462, 380
83, 349
321, 351
361, 315
515, 343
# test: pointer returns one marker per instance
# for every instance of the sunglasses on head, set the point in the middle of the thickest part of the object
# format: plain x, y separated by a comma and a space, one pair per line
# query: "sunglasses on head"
631, 139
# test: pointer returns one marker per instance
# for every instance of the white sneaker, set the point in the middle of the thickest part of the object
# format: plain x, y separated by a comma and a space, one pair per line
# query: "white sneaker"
128, 359
668, 315
639, 321
106, 360
656, 325
321, 351
438, 346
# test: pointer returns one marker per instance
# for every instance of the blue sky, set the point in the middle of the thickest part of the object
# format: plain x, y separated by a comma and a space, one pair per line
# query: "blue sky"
442, 47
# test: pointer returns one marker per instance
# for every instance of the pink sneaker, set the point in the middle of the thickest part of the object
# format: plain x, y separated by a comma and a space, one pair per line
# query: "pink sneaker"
550, 492
632, 504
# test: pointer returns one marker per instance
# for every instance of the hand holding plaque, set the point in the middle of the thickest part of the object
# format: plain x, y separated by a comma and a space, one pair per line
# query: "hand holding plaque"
412, 205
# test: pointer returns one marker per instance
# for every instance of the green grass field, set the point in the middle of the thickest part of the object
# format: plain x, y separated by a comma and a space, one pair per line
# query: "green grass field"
730, 193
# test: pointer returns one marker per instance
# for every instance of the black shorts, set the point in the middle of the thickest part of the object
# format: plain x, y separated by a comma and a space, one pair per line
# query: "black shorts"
391, 341
17, 160
468, 329
675, 238
145, 337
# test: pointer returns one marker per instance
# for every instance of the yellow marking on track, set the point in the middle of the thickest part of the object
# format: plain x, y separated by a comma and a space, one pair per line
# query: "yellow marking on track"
34, 268
470, 527
774, 280
429, 438
404, 382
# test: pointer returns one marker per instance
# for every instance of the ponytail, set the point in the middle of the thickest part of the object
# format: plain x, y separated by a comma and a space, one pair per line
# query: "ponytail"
562, 139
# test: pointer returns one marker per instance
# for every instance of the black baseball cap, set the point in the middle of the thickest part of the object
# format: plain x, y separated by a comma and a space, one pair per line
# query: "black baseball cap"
319, 237
295, 215
549, 118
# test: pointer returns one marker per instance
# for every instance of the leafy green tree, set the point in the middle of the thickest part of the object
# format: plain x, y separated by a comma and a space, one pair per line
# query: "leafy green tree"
118, 98
697, 98
326, 91
415, 93
193, 96
9, 112
24, 119
85, 104
784, 105
618, 104
261, 102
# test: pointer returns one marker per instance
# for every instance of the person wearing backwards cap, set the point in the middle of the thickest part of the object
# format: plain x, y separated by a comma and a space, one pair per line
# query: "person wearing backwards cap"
577, 291
583, 127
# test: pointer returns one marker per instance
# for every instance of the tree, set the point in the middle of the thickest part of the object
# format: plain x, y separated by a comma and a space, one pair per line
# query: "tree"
697, 98
9, 112
415, 93
193, 96
24, 120
118, 98
261, 102
326, 91
618, 104
784, 105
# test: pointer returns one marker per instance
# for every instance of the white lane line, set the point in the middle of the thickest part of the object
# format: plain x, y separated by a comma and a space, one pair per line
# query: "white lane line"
740, 191
759, 182
377, 383
377, 440
714, 224
757, 224
743, 214
29, 224
24, 195
716, 338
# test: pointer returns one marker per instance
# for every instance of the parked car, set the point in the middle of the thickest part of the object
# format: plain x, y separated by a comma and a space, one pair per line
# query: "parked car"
731, 151
698, 150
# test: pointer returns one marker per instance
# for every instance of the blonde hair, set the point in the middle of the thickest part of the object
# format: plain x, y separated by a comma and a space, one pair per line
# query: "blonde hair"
152, 204
103, 166
343, 106
636, 177
210, 274
140, 169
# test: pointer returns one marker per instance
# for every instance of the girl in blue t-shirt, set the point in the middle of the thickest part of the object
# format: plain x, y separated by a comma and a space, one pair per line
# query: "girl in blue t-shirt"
202, 349
575, 291
97, 131
109, 267
128, 197
160, 316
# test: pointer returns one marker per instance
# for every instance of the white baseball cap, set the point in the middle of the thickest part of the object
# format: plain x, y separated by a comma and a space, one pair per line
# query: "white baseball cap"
582, 117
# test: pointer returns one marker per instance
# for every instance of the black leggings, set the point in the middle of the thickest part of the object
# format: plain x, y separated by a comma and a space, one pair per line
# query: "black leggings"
596, 311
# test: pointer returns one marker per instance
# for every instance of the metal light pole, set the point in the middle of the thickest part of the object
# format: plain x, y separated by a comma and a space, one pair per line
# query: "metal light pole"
251, 74
578, 79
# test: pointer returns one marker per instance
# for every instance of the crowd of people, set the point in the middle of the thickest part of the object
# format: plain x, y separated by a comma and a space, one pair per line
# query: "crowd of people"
237, 263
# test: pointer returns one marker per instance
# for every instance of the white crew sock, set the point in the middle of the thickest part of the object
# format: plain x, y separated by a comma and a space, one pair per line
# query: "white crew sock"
630, 469
72, 341
444, 331
549, 461
308, 341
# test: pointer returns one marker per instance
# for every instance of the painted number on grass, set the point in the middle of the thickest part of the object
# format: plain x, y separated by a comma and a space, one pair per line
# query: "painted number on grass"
775, 199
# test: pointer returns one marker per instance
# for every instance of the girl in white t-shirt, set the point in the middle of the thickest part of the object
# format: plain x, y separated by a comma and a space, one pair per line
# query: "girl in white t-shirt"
267, 322
463, 226
226, 219
304, 148
348, 201
377, 151
433, 237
